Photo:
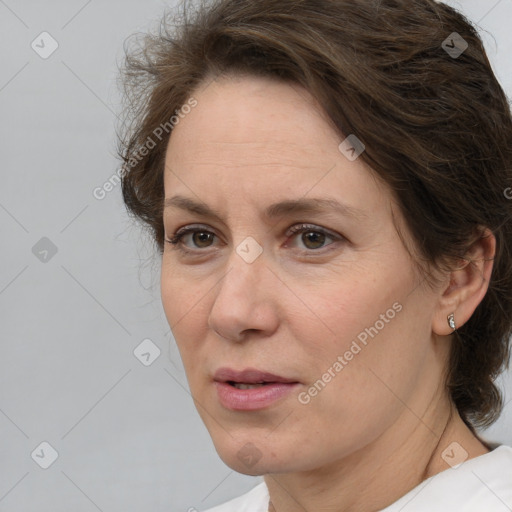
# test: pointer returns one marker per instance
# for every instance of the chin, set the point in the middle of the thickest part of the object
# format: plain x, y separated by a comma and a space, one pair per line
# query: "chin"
251, 468
248, 458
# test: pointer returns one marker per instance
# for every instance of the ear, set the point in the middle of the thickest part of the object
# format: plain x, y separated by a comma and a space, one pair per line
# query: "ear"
467, 285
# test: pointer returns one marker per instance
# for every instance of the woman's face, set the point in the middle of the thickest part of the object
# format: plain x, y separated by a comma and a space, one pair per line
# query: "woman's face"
333, 315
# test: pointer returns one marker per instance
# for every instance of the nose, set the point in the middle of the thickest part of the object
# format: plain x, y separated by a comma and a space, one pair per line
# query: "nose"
245, 301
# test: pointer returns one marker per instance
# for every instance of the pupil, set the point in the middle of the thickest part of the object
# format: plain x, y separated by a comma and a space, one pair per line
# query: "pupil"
201, 237
314, 237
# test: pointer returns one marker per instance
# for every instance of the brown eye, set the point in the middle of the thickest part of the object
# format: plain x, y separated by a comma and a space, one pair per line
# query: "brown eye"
202, 238
313, 239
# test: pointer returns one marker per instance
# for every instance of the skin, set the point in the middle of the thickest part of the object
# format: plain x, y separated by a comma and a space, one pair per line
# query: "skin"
379, 427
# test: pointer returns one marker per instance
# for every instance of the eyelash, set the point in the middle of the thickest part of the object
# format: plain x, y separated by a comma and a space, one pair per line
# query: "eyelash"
176, 239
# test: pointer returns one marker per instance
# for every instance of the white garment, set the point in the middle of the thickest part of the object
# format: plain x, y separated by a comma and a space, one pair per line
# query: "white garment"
481, 484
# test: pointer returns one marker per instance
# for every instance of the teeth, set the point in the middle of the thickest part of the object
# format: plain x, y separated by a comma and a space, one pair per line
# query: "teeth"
239, 385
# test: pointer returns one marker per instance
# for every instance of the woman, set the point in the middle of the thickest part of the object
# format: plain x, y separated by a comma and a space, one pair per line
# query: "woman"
324, 180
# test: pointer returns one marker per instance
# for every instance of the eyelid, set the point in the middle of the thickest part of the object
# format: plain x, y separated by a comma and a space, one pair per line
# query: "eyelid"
193, 227
304, 226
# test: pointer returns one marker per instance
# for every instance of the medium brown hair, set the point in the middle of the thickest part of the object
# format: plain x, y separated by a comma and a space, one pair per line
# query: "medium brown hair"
437, 130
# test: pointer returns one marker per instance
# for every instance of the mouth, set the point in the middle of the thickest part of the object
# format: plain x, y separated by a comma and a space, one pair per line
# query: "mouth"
249, 378
250, 389
242, 385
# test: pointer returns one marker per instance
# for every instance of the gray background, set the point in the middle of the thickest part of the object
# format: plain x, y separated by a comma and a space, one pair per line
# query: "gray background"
127, 435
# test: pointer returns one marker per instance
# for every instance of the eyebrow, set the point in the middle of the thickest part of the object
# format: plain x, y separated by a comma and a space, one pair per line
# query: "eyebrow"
280, 209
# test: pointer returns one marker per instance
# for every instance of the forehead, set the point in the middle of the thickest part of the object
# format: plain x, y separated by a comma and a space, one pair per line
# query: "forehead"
238, 114
262, 137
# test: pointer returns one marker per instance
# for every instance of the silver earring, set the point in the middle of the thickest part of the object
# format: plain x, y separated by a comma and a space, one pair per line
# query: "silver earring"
451, 321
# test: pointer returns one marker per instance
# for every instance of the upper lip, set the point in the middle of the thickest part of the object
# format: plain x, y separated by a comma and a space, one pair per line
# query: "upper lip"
247, 376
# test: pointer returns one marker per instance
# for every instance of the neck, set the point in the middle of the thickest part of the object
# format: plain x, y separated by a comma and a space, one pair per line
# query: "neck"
381, 472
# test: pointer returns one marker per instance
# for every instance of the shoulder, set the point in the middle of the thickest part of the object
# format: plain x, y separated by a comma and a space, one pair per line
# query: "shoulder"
481, 483
256, 500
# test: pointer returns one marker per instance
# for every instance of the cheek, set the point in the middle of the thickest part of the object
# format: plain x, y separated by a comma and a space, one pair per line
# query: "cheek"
362, 374
362, 331
344, 309
185, 305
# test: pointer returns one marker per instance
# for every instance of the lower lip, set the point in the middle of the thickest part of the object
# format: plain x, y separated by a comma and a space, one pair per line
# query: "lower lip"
252, 399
